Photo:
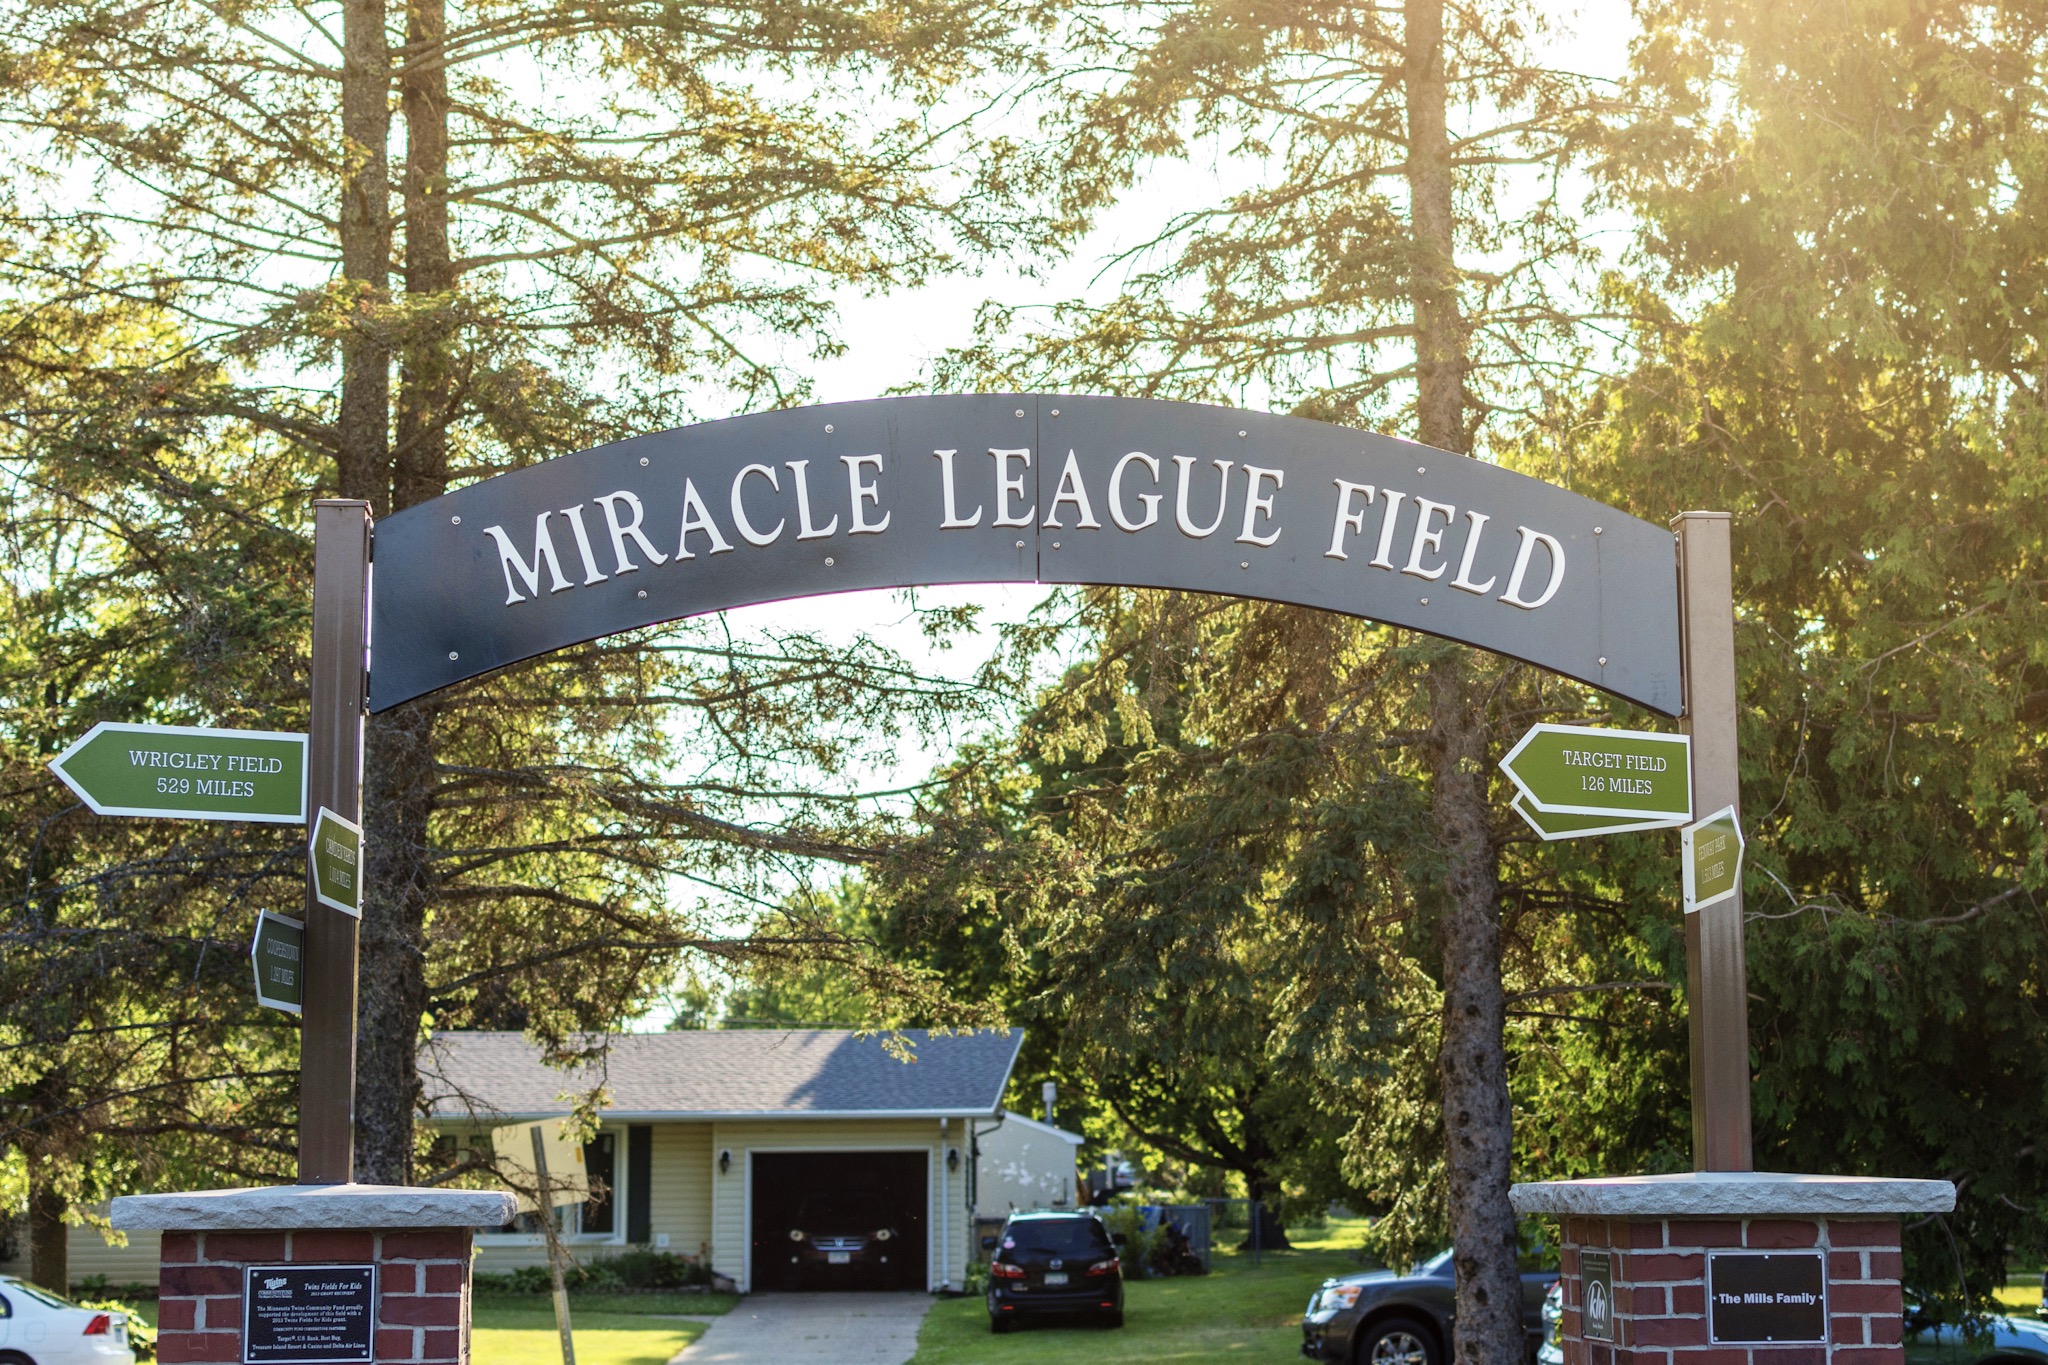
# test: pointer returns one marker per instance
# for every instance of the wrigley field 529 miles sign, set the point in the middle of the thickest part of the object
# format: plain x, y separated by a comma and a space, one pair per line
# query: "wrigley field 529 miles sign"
188, 772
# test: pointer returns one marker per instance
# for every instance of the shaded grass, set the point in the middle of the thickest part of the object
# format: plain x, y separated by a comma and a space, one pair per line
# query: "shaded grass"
1236, 1313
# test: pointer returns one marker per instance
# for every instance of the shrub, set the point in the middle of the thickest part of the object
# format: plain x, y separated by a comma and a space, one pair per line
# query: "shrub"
636, 1268
527, 1279
1136, 1251
643, 1268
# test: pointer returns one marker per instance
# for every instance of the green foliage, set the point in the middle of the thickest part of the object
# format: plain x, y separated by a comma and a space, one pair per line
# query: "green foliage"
212, 315
1126, 1217
141, 1336
1838, 250
637, 1268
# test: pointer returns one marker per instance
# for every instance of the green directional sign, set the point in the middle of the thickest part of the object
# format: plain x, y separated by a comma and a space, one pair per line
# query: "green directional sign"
278, 955
1578, 770
1712, 858
185, 772
336, 852
1553, 827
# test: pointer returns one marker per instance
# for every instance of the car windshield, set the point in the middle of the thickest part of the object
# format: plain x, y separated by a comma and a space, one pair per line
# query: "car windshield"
1435, 1266
841, 1211
40, 1295
1056, 1237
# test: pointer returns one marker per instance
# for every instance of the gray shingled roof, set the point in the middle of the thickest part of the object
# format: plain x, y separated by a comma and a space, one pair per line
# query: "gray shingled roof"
796, 1073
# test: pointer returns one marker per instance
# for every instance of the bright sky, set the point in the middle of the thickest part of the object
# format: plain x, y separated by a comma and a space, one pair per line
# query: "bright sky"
894, 337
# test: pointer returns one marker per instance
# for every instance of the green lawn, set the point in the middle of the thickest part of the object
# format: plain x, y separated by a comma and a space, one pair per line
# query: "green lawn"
1236, 1313
610, 1329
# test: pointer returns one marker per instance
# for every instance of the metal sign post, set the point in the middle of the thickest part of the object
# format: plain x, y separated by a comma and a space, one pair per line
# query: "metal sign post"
1716, 970
334, 779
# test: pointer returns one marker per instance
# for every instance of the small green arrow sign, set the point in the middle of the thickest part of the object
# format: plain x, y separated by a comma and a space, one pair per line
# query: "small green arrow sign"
278, 955
336, 852
185, 772
1578, 770
1712, 858
1553, 827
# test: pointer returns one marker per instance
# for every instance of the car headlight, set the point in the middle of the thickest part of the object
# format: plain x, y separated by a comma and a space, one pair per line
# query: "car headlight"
796, 1234
1336, 1298
883, 1234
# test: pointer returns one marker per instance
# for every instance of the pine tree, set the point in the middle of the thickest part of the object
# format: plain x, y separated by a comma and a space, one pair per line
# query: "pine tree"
1383, 267
419, 247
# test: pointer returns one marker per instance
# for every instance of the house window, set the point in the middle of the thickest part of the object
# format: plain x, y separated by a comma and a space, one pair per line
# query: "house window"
601, 1163
595, 1220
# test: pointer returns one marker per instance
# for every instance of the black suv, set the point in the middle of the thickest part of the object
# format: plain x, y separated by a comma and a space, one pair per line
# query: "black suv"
1054, 1263
1380, 1318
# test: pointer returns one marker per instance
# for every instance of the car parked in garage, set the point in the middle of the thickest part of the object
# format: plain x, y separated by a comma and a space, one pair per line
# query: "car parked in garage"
1380, 1318
1056, 1263
842, 1238
38, 1328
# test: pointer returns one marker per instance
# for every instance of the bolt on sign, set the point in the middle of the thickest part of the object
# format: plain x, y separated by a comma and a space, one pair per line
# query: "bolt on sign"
1049, 488
308, 1314
186, 772
336, 851
1775, 1297
1712, 860
1620, 775
277, 954
1596, 1296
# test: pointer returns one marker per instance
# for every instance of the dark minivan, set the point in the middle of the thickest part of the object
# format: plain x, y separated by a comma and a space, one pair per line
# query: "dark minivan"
1051, 1263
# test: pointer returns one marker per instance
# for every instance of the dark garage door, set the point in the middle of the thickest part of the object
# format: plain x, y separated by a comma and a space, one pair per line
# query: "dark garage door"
792, 1186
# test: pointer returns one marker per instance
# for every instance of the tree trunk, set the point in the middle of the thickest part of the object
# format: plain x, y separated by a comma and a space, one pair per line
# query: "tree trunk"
363, 425
1471, 1061
1433, 287
49, 1239
399, 774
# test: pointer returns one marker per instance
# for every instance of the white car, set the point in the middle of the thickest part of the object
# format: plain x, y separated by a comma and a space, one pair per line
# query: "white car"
38, 1328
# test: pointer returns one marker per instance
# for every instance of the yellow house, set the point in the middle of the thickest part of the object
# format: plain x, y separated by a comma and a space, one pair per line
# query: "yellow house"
710, 1144
717, 1145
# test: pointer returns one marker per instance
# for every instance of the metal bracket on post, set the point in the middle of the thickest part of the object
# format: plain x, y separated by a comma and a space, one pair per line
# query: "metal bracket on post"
1716, 971
334, 779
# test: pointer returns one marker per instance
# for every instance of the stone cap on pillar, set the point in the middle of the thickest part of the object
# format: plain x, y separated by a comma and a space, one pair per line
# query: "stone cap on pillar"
292, 1208
1725, 1194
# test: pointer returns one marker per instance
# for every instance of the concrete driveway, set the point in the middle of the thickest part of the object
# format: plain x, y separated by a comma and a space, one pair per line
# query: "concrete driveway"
812, 1329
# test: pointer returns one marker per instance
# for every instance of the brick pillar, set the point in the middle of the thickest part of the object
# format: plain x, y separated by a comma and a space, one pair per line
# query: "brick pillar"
1660, 1289
1660, 1235
418, 1239
422, 1288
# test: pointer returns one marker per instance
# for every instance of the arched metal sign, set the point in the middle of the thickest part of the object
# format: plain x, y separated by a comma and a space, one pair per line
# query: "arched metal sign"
1017, 488
1020, 488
